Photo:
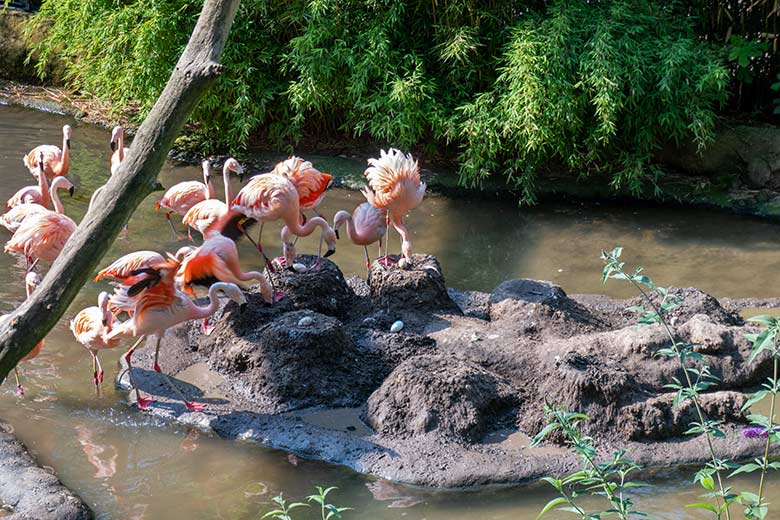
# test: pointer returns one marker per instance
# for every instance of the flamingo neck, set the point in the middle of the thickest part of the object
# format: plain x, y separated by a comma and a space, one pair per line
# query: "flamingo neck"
228, 189
94, 197
210, 194
121, 144
65, 162
55, 198
43, 185
200, 312
308, 228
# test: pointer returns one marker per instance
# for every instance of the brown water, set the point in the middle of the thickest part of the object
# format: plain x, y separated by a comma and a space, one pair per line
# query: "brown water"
130, 466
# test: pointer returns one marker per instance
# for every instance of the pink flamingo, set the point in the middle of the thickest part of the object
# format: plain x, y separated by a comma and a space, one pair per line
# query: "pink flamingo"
394, 186
41, 236
56, 162
182, 196
36, 195
90, 328
12, 219
365, 226
118, 148
125, 266
158, 306
31, 282
203, 214
270, 197
308, 181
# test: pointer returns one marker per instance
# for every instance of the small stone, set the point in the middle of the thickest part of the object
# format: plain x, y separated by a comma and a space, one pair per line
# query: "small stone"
299, 267
397, 326
305, 321
404, 264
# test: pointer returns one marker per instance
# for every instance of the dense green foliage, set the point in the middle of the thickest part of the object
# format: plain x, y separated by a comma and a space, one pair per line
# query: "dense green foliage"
516, 87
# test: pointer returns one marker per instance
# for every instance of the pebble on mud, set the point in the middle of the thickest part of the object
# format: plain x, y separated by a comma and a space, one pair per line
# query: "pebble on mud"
397, 326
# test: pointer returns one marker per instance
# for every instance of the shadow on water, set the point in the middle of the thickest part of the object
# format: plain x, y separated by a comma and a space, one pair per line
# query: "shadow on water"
131, 466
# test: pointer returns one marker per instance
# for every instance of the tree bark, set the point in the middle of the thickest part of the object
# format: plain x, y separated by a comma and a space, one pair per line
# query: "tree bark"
197, 68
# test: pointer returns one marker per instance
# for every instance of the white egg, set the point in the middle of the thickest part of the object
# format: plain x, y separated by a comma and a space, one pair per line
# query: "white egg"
300, 268
397, 326
305, 321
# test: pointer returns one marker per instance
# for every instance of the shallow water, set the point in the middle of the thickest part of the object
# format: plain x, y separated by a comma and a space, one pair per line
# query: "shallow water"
129, 466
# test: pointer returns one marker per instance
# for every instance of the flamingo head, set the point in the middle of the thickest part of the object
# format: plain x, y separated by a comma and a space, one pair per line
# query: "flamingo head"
338, 220
232, 165
330, 237
62, 183
184, 252
103, 300
206, 171
66, 130
233, 292
32, 280
116, 135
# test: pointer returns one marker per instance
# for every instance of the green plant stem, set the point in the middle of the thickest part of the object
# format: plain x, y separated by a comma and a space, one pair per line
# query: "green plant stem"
765, 464
696, 404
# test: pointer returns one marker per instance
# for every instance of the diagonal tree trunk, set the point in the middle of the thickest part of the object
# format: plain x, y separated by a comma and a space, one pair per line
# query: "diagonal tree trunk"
197, 68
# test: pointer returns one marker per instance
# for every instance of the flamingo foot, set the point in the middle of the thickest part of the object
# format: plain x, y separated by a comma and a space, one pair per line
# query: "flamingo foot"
193, 406
280, 260
157, 368
95, 380
207, 327
386, 261
279, 295
20, 390
100, 376
144, 402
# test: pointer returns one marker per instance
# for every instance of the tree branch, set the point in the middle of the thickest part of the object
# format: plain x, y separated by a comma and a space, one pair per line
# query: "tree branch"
197, 68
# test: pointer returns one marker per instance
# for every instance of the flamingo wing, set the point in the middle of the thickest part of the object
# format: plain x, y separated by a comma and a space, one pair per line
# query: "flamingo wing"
266, 197
124, 266
51, 154
42, 236
16, 215
182, 196
394, 182
203, 214
308, 180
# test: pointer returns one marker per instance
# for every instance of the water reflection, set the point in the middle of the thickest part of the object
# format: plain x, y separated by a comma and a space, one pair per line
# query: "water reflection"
128, 465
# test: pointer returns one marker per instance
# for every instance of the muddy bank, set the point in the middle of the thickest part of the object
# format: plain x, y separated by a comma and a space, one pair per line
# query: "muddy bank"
452, 399
28, 491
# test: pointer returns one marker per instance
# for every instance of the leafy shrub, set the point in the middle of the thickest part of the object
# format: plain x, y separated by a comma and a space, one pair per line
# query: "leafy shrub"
517, 86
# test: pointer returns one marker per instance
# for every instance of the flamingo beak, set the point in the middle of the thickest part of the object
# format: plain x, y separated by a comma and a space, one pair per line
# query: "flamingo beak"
157, 186
113, 146
71, 190
336, 231
328, 253
105, 322
242, 308
67, 142
240, 176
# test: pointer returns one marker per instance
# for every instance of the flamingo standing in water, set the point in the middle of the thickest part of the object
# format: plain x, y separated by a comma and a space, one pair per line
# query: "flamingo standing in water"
90, 327
31, 282
118, 148
394, 186
56, 162
12, 219
270, 197
365, 226
157, 306
203, 214
41, 236
182, 196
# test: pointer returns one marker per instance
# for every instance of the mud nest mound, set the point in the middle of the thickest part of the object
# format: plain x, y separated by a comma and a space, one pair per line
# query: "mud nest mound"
439, 394
296, 360
322, 289
419, 286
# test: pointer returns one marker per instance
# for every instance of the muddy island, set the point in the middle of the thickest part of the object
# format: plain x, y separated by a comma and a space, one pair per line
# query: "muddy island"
452, 398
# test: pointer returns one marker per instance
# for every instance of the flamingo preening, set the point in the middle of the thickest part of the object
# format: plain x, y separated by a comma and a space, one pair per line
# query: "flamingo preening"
90, 327
365, 226
203, 214
182, 196
270, 197
308, 181
157, 306
56, 162
13, 218
118, 148
394, 186
31, 282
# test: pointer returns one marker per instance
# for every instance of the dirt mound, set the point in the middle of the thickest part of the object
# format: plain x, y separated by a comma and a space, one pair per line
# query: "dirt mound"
296, 360
320, 289
420, 287
439, 394
536, 306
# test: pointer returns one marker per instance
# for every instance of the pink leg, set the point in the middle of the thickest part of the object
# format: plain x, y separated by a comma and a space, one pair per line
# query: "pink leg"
19, 387
143, 402
192, 406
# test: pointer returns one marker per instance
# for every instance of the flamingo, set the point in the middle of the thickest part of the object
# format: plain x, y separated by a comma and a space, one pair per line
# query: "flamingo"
365, 226
40, 195
12, 219
158, 306
308, 181
41, 236
31, 282
269, 197
90, 327
394, 186
203, 214
118, 147
217, 259
56, 162
124, 267
182, 196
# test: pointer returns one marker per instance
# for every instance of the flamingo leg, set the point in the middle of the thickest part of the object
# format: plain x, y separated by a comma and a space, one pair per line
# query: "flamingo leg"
385, 260
192, 406
258, 245
176, 235
19, 387
143, 402
368, 261
94, 369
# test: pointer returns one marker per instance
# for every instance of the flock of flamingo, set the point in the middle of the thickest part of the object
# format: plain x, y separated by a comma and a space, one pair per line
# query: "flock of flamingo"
155, 291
